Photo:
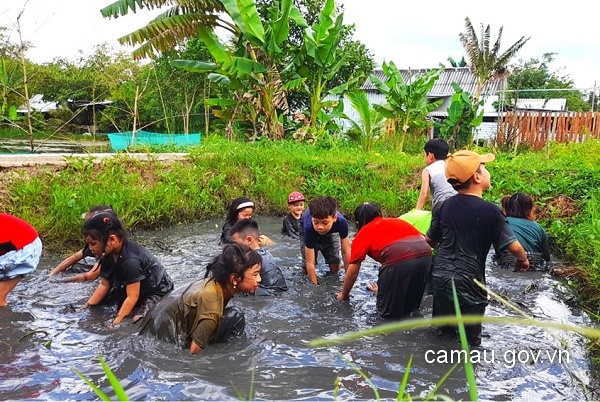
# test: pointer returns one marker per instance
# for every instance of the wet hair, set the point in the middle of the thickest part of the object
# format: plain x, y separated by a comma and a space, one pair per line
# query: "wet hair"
245, 227
234, 259
234, 208
365, 213
438, 147
463, 186
322, 207
518, 205
102, 225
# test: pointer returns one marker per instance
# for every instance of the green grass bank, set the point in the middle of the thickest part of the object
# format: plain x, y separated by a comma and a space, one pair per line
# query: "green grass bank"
564, 180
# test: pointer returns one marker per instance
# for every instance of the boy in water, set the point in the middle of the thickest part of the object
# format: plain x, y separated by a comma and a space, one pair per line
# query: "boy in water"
324, 229
463, 230
272, 282
292, 221
433, 178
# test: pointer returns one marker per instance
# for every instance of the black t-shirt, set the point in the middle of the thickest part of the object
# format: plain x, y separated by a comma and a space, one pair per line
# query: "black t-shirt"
136, 264
466, 227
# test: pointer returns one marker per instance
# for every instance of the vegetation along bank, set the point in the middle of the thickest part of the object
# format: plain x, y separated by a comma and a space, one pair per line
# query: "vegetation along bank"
563, 179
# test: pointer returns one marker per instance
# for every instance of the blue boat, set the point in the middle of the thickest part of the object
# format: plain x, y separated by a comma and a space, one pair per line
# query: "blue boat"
126, 139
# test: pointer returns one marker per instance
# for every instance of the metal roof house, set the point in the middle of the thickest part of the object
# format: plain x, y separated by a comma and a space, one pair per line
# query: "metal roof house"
442, 89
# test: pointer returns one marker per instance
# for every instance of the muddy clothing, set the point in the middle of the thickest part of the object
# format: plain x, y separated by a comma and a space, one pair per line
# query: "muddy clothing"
405, 259
534, 240
441, 190
225, 239
291, 226
85, 264
136, 264
272, 281
465, 228
194, 312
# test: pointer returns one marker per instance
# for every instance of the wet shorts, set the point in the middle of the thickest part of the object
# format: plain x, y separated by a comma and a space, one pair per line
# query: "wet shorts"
330, 246
20, 262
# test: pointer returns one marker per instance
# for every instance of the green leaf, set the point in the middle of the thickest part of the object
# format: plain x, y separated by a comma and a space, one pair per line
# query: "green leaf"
195, 66
114, 381
246, 17
219, 79
101, 394
219, 102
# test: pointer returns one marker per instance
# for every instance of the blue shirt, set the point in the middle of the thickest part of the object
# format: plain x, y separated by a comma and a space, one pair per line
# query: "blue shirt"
311, 238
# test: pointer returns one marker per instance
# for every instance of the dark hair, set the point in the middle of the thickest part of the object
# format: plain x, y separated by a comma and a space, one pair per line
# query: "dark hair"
96, 209
103, 224
365, 213
234, 259
245, 227
234, 208
518, 205
322, 207
438, 147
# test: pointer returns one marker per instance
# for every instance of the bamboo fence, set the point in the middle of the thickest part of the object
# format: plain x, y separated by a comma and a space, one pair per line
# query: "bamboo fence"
536, 129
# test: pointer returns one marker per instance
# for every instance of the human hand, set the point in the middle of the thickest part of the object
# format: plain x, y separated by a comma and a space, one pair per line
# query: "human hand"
521, 265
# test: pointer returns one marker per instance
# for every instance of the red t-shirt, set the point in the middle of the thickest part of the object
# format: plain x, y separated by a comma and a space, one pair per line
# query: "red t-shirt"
388, 241
15, 233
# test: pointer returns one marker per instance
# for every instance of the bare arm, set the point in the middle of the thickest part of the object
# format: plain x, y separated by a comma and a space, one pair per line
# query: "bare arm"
91, 275
349, 280
424, 190
516, 249
311, 270
99, 294
133, 295
67, 262
345, 245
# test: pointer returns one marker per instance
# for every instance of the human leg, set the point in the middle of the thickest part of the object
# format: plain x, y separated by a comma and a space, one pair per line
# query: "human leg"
331, 249
5, 287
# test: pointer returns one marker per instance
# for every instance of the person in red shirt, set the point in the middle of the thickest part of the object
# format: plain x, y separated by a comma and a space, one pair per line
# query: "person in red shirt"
20, 252
405, 259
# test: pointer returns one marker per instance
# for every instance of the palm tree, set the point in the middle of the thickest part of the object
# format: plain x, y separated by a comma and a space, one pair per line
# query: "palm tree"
461, 63
487, 64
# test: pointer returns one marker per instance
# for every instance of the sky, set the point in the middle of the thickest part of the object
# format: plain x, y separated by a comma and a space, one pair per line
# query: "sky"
420, 35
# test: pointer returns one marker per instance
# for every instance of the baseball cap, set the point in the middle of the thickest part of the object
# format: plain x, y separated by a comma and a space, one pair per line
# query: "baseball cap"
461, 165
295, 197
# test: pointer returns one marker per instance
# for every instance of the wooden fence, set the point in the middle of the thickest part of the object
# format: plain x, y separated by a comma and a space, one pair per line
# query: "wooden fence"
537, 128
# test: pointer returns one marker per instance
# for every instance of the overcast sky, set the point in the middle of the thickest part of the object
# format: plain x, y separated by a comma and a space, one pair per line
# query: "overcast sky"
412, 34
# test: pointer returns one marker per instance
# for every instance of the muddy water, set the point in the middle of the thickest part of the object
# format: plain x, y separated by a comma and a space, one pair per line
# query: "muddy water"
17, 146
273, 357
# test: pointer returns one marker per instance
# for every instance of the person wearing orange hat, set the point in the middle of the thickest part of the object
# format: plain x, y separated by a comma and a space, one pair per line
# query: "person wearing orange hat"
462, 231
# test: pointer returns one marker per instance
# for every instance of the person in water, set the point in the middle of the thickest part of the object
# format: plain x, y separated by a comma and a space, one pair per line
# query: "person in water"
462, 231
128, 271
82, 262
272, 281
405, 259
196, 315
518, 209
292, 222
240, 208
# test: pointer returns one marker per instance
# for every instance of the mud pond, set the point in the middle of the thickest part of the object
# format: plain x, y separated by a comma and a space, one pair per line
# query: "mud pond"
42, 339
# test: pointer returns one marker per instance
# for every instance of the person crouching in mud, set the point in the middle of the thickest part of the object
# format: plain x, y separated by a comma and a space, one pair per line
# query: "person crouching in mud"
129, 273
195, 315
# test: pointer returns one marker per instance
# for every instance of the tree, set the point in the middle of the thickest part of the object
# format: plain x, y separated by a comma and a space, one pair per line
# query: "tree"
463, 117
461, 63
535, 74
370, 126
487, 64
407, 103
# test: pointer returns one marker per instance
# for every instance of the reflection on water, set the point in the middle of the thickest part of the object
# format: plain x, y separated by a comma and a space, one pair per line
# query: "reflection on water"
273, 357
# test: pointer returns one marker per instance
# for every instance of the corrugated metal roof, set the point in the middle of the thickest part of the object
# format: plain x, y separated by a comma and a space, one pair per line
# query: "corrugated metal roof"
443, 86
556, 104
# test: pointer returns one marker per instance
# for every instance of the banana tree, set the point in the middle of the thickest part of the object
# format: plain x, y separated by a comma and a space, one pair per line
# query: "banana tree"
407, 103
249, 69
319, 61
371, 124
464, 115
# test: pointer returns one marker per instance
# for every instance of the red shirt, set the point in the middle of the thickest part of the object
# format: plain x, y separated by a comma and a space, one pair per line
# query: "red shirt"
15, 233
388, 241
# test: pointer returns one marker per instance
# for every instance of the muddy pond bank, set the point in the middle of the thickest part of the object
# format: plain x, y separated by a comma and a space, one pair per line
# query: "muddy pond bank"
273, 356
